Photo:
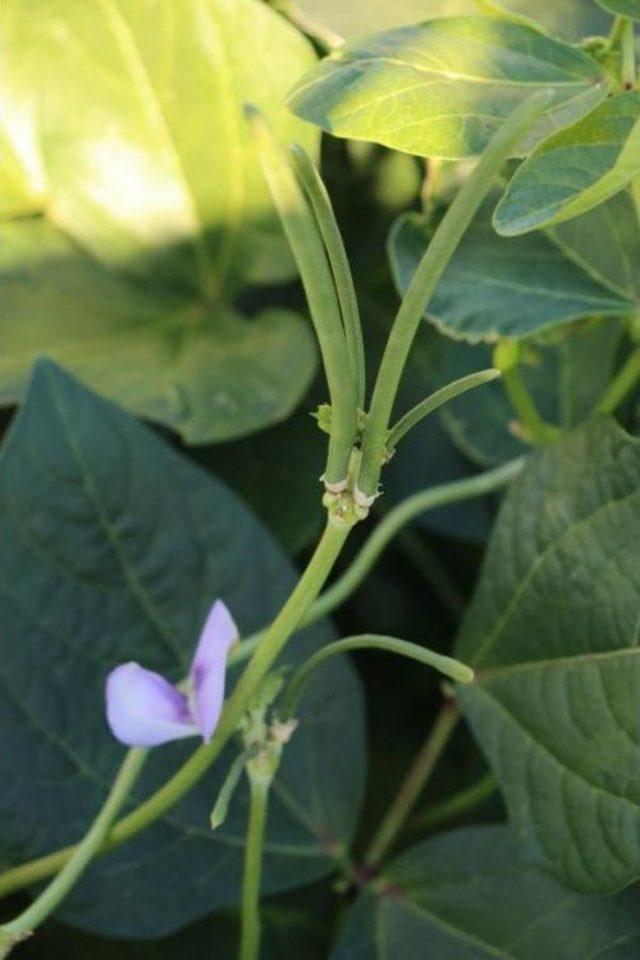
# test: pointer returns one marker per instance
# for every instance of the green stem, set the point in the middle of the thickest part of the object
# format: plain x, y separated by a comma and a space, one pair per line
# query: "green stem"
413, 784
387, 529
430, 404
457, 805
506, 357
628, 50
83, 853
29, 873
253, 850
454, 669
621, 385
327, 224
399, 517
425, 280
308, 249
271, 643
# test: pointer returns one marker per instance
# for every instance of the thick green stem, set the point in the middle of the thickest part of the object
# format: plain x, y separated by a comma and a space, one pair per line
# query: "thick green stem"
29, 873
308, 249
457, 805
327, 224
253, 852
621, 386
86, 850
454, 669
427, 276
413, 784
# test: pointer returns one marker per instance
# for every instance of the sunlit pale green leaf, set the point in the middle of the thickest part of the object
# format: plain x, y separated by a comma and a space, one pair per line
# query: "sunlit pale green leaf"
203, 370
576, 169
553, 634
442, 88
113, 548
496, 287
464, 895
137, 109
357, 18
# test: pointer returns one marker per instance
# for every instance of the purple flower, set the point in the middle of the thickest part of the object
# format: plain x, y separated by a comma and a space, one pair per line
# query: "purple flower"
145, 710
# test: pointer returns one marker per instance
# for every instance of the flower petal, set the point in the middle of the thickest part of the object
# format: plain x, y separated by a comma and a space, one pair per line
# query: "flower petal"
144, 709
209, 667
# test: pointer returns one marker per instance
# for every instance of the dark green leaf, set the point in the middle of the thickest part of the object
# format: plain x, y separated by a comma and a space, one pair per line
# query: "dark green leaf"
501, 288
113, 549
624, 8
463, 895
276, 473
442, 88
205, 371
605, 242
137, 110
553, 632
295, 925
576, 169
566, 379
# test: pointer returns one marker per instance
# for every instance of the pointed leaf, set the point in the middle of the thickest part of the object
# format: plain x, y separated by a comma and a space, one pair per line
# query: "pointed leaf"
463, 895
575, 170
553, 634
442, 88
501, 288
114, 548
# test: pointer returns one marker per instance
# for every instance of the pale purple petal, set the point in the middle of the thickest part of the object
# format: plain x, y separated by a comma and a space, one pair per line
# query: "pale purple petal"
144, 709
209, 667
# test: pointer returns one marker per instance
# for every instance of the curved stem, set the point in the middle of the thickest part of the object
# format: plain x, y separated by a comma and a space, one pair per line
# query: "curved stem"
454, 669
253, 851
309, 252
413, 784
271, 643
621, 385
397, 518
323, 210
430, 404
55, 892
425, 280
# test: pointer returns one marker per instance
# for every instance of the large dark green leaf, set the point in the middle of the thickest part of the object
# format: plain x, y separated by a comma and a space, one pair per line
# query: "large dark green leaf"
495, 287
571, 18
296, 924
553, 633
576, 169
136, 107
442, 88
203, 370
463, 895
113, 548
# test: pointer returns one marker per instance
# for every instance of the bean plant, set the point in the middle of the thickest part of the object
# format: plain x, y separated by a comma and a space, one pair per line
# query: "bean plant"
394, 714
